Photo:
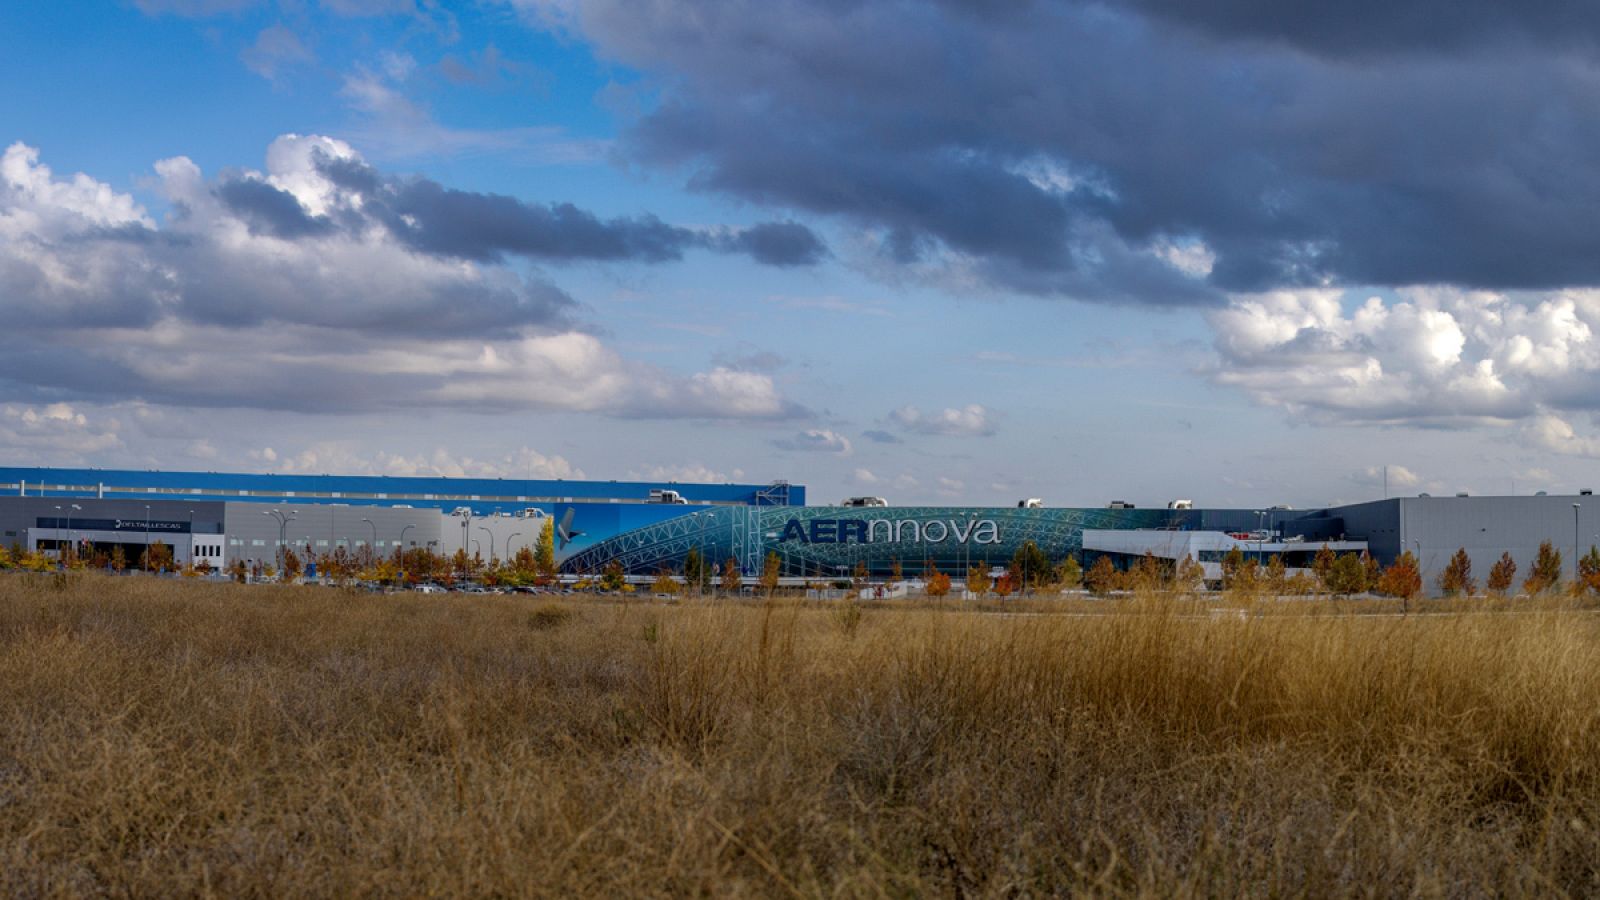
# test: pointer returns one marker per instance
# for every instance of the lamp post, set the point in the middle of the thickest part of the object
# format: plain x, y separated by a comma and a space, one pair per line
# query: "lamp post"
191, 537
61, 554
514, 534
283, 528
491, 542
372, 551
72, 539
403, 551
147, 537
1575, 508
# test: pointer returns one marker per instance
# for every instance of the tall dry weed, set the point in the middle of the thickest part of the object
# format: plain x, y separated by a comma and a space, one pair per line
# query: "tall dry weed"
185, 738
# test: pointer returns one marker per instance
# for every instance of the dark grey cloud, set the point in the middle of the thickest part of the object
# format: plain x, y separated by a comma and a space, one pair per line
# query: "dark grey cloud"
781, 244
283, 291
486, 227
1068, 148
269, 210
1372, 27
881, 437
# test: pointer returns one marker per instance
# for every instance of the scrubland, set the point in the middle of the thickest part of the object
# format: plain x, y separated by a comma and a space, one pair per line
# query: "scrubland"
164, 738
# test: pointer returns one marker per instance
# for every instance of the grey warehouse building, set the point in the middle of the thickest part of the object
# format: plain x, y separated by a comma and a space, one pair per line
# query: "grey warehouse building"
647, 528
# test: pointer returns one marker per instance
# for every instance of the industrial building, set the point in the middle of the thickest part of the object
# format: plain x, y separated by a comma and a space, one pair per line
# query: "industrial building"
649, 527
218, 518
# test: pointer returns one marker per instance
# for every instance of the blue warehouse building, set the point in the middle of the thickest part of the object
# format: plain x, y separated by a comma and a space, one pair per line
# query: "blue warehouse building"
650, 527
248, 516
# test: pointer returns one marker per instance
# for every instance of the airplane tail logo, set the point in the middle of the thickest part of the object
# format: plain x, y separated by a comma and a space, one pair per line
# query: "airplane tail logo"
564, 530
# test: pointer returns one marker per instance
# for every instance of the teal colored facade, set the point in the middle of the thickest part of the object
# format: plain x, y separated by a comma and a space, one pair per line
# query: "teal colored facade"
829, 540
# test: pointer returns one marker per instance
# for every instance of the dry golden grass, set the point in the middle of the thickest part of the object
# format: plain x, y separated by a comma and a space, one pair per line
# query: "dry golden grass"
176, 739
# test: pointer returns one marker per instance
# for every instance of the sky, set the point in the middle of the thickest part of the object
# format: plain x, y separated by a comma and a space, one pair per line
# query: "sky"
1235, 251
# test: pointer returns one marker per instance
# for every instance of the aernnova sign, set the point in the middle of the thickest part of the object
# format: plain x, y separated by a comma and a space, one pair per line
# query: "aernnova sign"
874, 531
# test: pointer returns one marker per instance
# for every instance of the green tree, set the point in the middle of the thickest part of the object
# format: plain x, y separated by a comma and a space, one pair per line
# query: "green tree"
612, 578
1457, 576
1348, 575
977, 581
771, 571
1501, 575
544, 551
664, 584
1545, 574
695, 571
1069, 574
1031, 566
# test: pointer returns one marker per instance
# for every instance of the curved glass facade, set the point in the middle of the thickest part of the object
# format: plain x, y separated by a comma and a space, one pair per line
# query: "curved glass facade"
829, 540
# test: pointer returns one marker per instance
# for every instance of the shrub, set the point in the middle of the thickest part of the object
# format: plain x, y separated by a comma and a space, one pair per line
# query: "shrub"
548, 616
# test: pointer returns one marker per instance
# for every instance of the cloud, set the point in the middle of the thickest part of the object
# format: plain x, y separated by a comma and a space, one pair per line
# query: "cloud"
483, 69
396, 127
1552, 433
276, 48
280, 290
752, 361
816, 440
1368, 28
1438, 357
346, 458
1398, 477
865, 476
881, 437
431, 218
693, 473
54, 433
780, 244
195, 9
972, 420
1155, 152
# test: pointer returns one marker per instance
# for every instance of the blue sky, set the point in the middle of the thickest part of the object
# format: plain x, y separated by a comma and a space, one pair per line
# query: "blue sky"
1074, 251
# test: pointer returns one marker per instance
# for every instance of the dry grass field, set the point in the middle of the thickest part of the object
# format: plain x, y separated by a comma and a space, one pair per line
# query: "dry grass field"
161, 738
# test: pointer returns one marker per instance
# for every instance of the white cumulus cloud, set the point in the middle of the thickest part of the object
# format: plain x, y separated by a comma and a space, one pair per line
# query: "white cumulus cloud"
967, 421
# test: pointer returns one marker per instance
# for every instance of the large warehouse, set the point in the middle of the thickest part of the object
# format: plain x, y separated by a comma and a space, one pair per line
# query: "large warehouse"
222, 517
648, 527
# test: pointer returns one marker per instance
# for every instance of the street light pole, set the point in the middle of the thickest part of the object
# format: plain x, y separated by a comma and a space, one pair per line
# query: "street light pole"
372, 551
491, 542
61, 554
72, 539
283, 532
147, 537
1575, 508
403, 550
